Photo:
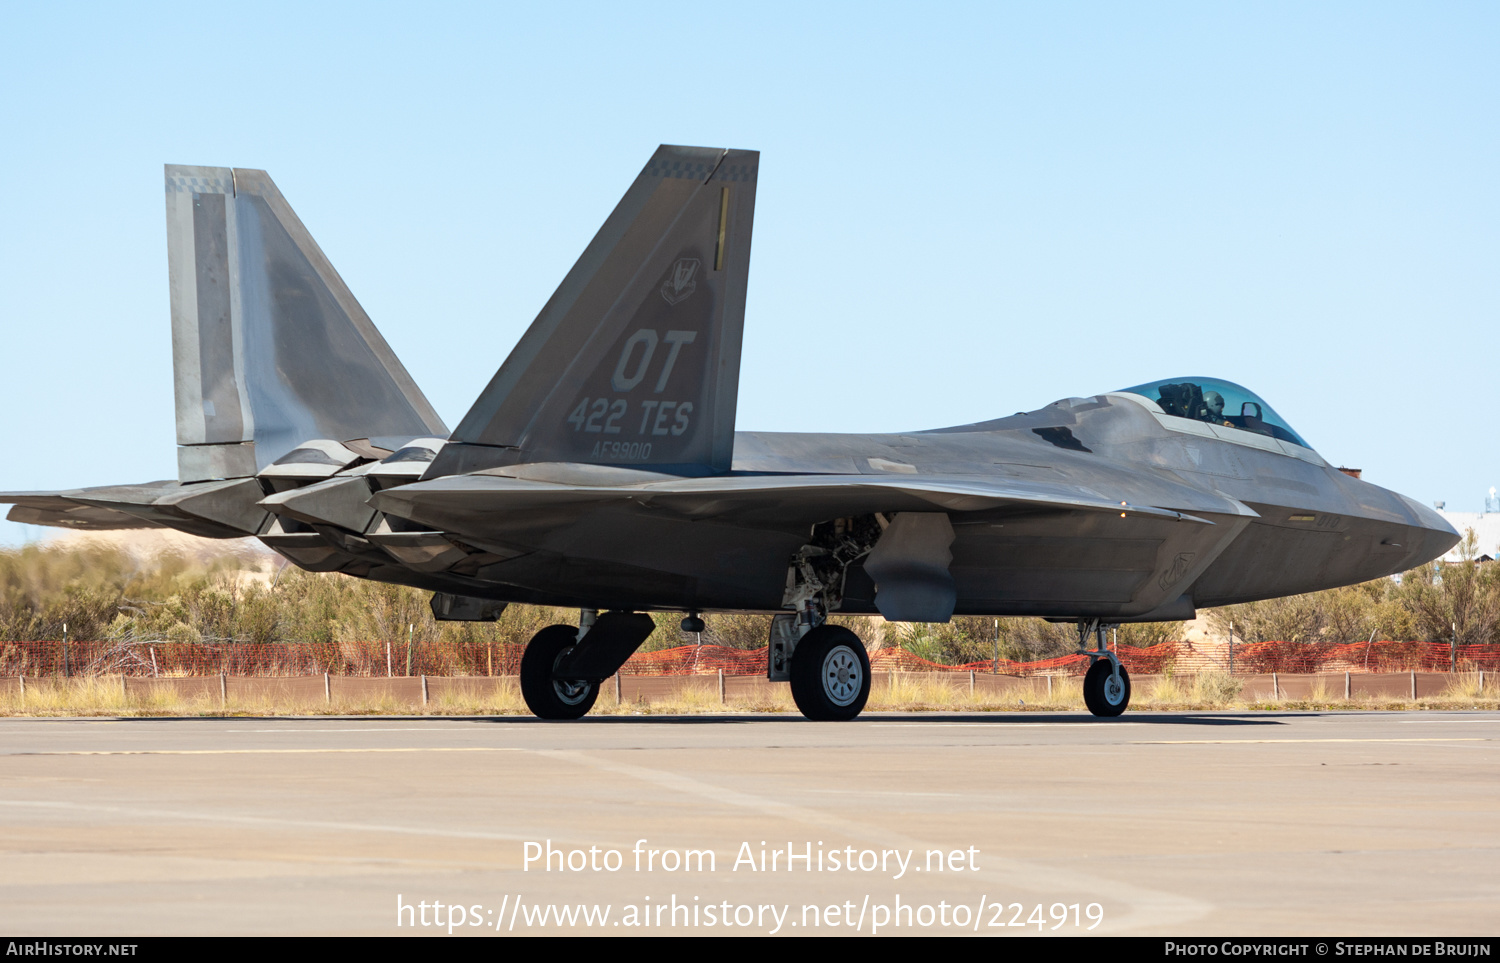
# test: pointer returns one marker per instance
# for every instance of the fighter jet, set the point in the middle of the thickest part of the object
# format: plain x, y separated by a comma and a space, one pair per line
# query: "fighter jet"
601, 470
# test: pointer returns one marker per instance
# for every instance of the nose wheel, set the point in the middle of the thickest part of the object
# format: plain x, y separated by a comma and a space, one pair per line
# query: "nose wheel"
1104, 692
830, 674
1106, 685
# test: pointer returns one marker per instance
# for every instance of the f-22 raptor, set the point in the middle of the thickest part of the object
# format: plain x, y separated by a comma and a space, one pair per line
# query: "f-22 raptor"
600, 469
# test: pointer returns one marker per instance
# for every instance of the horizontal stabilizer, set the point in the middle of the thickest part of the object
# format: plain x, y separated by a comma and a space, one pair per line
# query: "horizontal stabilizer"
219, 509
55, 510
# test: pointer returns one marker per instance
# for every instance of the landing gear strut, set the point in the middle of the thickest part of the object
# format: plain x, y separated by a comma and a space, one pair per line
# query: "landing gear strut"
826, 664
1106, 685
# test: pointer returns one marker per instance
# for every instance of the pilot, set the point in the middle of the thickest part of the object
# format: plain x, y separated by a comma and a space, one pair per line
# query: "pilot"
1213, 405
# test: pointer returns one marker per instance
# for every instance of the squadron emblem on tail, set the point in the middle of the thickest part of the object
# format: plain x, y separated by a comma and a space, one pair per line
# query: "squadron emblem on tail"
681, 282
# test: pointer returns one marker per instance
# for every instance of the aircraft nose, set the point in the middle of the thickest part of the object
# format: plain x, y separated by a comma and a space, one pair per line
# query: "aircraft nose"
1437, 536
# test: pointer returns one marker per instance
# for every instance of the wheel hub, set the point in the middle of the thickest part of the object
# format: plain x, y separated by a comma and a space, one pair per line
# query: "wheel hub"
570, 691
842, 676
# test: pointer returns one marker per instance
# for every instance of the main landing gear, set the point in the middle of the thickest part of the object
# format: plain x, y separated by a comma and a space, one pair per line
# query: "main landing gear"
1106, 685
830, 674
547, 696
563, 666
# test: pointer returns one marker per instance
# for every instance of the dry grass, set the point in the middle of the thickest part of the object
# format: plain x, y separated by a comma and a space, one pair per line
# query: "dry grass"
1204, 690
503, 699
1472, 686
97, 696
922, 692
904, 691
697, 695
898, 692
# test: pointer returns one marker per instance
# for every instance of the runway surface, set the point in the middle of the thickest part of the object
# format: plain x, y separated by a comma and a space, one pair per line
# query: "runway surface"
1156, 823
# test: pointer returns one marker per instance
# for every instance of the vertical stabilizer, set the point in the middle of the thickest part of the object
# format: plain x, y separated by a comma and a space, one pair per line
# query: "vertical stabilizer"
635, 358
269, 347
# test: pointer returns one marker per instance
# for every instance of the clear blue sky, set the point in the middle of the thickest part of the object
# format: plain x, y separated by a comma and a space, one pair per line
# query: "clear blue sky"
963, 211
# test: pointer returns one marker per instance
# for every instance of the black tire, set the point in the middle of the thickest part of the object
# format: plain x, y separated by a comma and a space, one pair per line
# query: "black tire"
830, 674
1099, 692
550, 698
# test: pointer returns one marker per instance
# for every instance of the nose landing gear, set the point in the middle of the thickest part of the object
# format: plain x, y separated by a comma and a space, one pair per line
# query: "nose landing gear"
1106, 685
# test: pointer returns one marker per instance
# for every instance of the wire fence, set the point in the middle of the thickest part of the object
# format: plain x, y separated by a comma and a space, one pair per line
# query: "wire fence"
148, 658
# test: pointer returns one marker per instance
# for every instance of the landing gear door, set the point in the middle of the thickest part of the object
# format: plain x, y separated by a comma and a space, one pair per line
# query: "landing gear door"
783, 642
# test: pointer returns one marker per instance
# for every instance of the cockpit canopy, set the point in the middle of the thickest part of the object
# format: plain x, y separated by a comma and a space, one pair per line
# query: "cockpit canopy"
1217, 402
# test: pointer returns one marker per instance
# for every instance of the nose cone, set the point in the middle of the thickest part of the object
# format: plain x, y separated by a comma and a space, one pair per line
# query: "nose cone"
1434, 536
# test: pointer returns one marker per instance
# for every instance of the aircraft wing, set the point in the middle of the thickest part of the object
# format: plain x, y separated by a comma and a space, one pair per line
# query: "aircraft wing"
734, 529
458, 503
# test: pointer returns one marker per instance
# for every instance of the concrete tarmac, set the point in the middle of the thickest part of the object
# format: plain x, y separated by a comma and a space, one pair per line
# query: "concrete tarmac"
1339, 824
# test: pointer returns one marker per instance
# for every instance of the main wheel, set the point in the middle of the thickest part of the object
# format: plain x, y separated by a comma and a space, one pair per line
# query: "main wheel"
548, 697
830, 674
1102, 693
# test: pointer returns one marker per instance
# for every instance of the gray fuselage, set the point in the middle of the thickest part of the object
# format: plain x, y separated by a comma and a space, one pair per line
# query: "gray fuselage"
1254, 518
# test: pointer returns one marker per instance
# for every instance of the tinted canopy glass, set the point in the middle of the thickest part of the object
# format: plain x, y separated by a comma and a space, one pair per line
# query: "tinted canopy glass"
1218, 402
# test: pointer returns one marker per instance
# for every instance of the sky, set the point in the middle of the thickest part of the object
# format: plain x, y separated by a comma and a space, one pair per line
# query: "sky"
963, 210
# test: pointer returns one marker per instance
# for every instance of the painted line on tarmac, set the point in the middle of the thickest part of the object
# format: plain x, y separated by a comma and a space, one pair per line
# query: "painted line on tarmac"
1148, 907
1231, 742
158, 815
1001, 725
866, 792
258, 752
367, 729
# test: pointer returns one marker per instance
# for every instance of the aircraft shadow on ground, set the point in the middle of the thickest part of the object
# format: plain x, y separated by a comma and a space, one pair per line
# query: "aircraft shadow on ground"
1006, 718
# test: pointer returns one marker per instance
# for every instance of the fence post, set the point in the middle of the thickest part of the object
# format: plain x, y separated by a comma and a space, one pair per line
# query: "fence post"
124, 690
489, 659
617, 687
1275, 687
971, 683
1348, 692
23, 689
1414, 685
721, 687
67, 665
411, 639
223, 689
1049, 687
424, 691
327, 690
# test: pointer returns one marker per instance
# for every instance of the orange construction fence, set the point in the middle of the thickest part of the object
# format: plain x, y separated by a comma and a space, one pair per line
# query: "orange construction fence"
376, 658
